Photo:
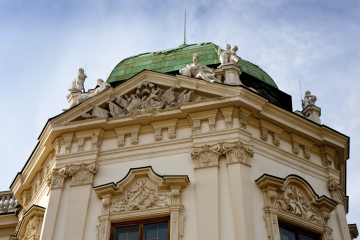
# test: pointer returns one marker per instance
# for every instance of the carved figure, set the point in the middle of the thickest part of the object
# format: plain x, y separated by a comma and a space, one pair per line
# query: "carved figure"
197, 70
309, 99
233, 57
141, 196
147, 99
80, 80
224, 56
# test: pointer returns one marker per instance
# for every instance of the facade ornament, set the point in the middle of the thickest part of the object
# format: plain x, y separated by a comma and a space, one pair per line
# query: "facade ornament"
121, 140
197, 70
78, 83
212, 124
276, 139
81, 174
146, 99
243, 117
57, 145
171, 132
336, 191
206, 156
80, 144
142, 192
143, 195
328, 157
292, 198
238, 152
158, 135
134, 138
308, 99
228, 114
29, 227
228, 56
310, 110
264, 134
307, 154
75, 100
295, 147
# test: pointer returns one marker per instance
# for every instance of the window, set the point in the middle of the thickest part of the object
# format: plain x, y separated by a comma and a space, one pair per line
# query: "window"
291, 232
149, 229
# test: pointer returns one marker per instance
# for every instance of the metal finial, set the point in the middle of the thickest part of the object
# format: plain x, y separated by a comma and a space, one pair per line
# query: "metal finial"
185, 29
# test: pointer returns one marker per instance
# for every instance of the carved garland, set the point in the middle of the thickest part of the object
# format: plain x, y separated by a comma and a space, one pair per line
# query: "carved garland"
142, 194
293, 201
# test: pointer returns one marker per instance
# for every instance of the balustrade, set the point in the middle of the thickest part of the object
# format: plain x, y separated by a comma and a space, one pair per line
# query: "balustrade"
7, 202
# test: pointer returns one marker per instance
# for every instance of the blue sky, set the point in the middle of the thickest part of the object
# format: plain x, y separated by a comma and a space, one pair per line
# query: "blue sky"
43, 43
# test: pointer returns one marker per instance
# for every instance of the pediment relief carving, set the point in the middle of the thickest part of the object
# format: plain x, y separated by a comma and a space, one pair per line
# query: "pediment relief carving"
293, 198
30, 225
142, 193
146, 99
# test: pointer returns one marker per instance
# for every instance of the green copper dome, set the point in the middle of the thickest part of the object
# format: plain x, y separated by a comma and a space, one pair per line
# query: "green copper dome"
175, 59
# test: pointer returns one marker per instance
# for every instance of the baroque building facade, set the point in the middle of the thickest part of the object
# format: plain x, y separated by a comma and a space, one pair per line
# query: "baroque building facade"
187, 143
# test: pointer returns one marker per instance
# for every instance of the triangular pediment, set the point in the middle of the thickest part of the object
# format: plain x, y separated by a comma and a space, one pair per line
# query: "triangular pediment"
146, 94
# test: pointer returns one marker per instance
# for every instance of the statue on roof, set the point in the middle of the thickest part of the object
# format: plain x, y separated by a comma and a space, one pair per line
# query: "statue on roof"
197, 70
228, 56
308, 99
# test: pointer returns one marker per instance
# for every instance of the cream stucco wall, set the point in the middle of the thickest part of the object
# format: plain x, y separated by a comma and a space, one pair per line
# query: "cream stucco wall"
222, 200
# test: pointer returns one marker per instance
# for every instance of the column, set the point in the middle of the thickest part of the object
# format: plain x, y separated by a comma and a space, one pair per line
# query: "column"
238, 158
56, 184
207, 190
80, 189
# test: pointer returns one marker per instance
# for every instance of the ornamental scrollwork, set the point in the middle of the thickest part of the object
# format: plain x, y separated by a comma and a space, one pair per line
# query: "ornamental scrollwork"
81, 174
142, 195
206, 155
293, 201
238, 152
336, 191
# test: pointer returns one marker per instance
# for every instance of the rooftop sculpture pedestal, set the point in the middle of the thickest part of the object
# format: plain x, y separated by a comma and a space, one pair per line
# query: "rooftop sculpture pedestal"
313, 113
231, 72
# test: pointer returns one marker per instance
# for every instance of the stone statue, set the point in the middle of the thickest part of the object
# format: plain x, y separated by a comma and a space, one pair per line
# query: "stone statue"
224, 56
83, 97
309, 99
233, 57
197, 70
228, 56
78, 83
102, 87
80, 80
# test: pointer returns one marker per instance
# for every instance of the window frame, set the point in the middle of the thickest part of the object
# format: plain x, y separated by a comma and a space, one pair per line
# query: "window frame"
141, 224
298, 230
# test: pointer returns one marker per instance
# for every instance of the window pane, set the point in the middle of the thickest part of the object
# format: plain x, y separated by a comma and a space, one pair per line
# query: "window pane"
286, 234
304, 237
127, 233
156, 231
163, 230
